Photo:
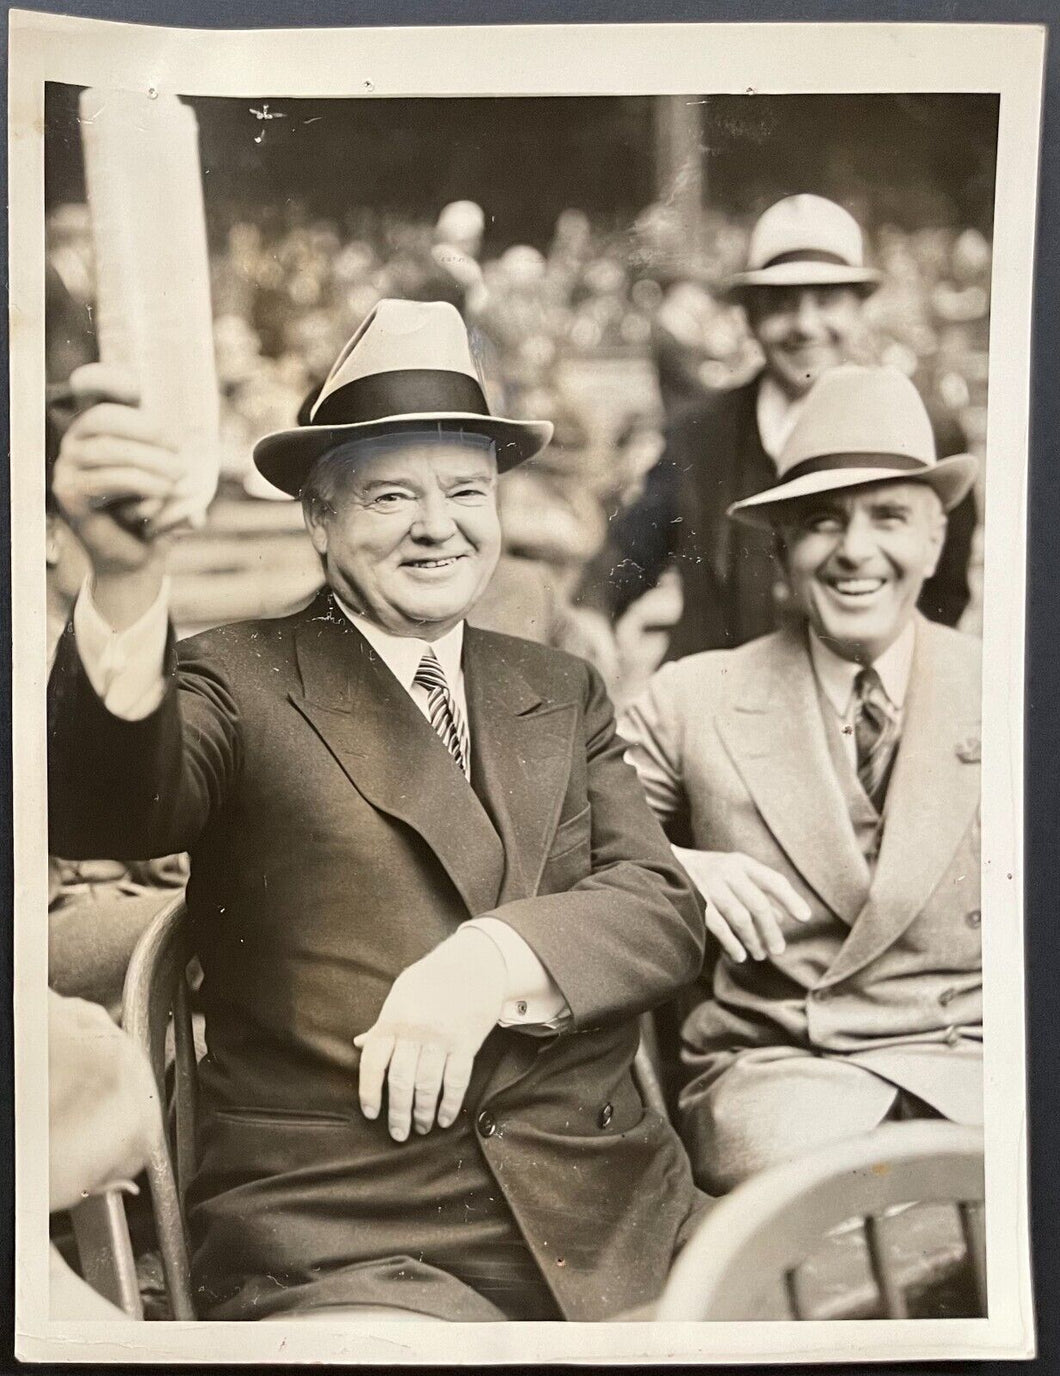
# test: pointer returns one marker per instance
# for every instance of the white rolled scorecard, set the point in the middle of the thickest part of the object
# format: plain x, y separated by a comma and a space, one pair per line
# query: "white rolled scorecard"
153, 310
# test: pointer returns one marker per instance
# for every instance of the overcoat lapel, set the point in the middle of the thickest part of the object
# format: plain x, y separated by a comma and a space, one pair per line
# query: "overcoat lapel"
520, 758
391, 754
931, 800
776, 739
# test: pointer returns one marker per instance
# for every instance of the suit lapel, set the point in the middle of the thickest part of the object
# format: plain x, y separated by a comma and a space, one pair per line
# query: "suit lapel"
776, 739
520, 758
391, 754
931, 800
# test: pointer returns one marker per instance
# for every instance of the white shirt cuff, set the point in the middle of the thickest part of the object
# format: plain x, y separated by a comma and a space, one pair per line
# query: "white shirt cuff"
533, 1000
125, 668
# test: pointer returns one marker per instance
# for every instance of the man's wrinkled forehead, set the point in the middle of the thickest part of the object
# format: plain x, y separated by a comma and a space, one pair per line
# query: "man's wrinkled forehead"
412, 457
899, 492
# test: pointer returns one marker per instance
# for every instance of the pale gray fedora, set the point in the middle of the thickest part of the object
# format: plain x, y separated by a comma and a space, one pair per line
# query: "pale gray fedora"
408, 367
805, 241
859, 425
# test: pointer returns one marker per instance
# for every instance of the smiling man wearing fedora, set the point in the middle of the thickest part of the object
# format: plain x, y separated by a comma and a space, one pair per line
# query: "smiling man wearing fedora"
426, 892
822, 784
803, 292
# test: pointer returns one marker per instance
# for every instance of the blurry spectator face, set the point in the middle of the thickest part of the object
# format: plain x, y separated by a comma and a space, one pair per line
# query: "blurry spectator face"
410, 535
856, 562
461, 224
803, 331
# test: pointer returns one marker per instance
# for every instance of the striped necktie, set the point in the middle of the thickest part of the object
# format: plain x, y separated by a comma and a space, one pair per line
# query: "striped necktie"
876, 734
445, 715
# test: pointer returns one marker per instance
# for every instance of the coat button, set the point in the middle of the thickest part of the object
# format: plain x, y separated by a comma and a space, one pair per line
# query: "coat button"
974, 918
487, 1124
952, 1036
606, 1114
820, 995
947, 996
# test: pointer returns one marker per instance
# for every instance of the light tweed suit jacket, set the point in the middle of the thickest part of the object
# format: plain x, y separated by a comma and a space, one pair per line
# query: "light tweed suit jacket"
731, 748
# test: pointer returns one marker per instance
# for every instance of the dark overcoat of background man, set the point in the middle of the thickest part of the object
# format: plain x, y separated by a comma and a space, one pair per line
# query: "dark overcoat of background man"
803, 291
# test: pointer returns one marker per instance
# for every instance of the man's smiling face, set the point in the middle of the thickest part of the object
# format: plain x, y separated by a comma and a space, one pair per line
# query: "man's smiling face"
804, 331
857, 559
410, 535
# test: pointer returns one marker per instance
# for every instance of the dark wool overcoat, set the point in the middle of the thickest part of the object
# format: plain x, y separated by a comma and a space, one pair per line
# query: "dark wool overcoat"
333, 842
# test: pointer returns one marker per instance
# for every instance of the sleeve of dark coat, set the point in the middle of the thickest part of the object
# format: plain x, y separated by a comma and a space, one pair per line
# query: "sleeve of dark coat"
631, 934
946, 594
134, 790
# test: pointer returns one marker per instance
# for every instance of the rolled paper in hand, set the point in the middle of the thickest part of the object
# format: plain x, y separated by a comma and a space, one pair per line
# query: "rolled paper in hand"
153, 312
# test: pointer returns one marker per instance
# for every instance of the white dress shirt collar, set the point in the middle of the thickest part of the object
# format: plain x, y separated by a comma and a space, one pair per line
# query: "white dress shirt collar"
776, 414
402, 653
836, 675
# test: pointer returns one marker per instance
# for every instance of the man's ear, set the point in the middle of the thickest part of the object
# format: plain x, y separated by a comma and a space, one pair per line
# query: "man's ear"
315, 516
938, 537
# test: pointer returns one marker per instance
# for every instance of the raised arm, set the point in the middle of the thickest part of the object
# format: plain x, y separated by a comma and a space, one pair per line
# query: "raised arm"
133, 772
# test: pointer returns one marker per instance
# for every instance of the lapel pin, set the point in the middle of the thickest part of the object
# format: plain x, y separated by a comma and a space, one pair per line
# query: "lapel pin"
970, 750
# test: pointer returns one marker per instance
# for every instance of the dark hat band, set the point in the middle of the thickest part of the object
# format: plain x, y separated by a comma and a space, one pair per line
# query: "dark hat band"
808, 255
403, 392
824, 463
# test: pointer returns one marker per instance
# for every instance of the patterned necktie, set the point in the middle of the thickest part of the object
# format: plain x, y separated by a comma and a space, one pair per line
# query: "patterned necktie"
444, 714
876, 734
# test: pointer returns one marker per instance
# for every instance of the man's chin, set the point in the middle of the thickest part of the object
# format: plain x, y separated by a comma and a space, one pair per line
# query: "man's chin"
860, 639
445, 608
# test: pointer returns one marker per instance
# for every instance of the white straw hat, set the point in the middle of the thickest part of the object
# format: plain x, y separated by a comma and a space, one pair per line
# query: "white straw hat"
805, 241
858, 426
408, 367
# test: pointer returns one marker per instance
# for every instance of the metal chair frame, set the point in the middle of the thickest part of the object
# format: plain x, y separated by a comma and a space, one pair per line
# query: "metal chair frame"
156, 996
104, 1249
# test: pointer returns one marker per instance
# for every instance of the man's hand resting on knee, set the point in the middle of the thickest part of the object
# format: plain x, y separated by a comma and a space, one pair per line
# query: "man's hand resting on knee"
747, 902
423, 1044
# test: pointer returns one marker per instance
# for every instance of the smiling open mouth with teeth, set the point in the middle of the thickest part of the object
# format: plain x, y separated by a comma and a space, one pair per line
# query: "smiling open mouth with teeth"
445, 563
857, 587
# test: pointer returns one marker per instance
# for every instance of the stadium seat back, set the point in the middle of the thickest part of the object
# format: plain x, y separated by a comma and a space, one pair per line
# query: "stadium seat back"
753, 1244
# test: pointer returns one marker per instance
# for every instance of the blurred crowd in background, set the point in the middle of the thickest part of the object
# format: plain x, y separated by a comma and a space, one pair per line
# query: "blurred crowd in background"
607, 332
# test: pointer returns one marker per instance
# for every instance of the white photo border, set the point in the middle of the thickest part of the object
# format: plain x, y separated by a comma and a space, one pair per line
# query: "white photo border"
509, 60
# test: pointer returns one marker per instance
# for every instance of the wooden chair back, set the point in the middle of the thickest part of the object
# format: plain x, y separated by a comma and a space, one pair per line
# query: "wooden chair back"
764, 1231
155, 1000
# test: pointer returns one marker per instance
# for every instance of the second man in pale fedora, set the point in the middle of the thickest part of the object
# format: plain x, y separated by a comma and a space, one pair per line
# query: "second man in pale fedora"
803, 293
822, 785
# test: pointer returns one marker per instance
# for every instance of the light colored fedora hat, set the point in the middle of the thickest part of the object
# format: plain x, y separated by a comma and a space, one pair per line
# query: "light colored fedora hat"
858, 426
805, 241
408, 367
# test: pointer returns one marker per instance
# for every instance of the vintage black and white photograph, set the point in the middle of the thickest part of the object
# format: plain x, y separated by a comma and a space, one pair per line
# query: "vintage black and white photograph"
501, 589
